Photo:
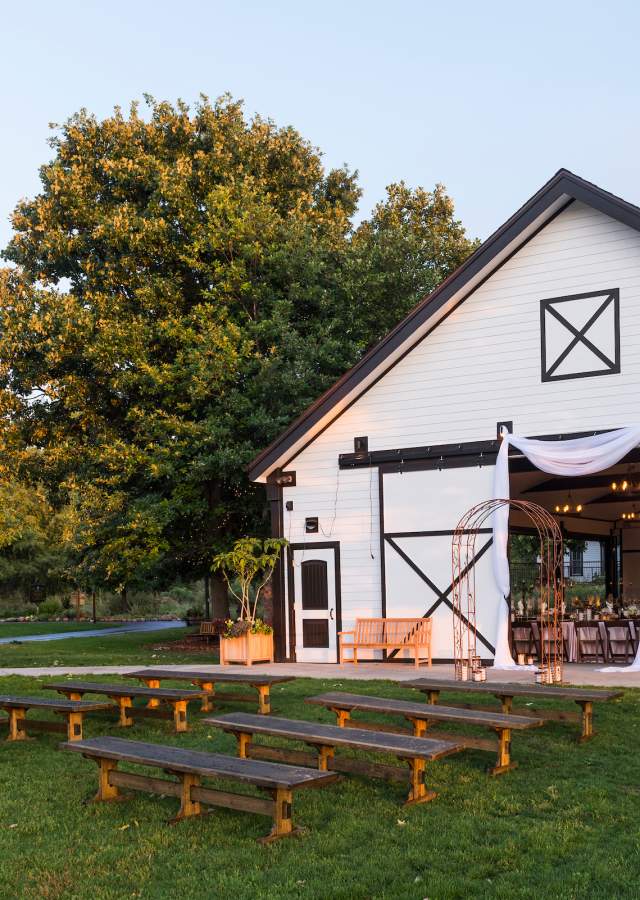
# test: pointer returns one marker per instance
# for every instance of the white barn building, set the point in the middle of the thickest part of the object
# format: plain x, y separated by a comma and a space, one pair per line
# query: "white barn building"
539, 329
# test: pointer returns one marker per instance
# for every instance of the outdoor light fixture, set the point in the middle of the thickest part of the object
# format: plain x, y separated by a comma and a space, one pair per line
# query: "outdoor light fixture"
568, 507
627, 484
630, 515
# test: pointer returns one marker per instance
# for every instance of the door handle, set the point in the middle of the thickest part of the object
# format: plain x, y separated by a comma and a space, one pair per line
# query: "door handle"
331, 613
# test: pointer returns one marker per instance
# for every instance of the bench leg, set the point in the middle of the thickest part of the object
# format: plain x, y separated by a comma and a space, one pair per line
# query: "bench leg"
419, 726
418, 793
506, 703
342, 716
503, 761
17, 731
325, 756
188, 807
433, 697
74, 695
124, 704
106, 790
153, 703
243, 740
180, 716
587, 720
207, 704
264, 699
74, 726
282, 817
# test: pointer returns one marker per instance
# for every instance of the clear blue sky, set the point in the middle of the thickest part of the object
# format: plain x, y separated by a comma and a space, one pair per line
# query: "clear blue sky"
489, 98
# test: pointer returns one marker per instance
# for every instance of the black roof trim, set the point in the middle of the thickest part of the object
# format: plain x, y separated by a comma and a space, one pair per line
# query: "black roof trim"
563, 184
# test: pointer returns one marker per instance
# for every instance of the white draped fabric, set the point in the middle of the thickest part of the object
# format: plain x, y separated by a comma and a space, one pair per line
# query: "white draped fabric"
580, 456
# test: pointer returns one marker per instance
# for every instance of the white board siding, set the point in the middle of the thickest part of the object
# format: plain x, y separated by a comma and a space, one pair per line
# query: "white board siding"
479, 366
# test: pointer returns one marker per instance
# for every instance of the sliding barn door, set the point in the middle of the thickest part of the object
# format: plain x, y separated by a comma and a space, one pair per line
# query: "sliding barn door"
421, 509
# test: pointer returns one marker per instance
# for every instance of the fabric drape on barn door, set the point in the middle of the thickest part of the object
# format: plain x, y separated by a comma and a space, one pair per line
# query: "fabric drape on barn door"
580, 456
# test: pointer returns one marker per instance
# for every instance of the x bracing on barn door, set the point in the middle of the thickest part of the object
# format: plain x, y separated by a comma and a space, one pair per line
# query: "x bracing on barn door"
443, 596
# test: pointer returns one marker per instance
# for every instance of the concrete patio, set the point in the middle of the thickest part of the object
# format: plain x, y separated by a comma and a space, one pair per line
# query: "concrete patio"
576, 674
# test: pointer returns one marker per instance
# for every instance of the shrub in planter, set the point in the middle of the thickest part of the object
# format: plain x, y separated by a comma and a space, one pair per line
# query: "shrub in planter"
247, 568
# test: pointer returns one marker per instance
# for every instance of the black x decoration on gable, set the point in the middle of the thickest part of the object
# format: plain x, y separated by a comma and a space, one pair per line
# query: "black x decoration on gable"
580, 335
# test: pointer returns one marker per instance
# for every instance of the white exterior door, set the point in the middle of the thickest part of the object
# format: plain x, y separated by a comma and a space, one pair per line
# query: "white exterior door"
314, 585
421, 510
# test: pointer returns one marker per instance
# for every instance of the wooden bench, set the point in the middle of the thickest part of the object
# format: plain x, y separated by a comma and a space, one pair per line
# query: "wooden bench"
209, 630
505, 693
387, 634
206, 681
422, 716
73, 711
189, 767
123, 695
325, 738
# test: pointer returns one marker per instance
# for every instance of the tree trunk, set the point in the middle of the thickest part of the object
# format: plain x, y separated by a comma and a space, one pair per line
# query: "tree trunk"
207, 604
219, 597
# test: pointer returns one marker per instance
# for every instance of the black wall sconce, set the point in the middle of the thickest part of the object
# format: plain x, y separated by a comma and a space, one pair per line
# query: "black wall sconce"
311, 525
361, 445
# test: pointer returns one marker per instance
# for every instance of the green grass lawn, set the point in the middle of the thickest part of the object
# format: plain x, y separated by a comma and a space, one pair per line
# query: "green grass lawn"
111, 650
563, 825
24, 629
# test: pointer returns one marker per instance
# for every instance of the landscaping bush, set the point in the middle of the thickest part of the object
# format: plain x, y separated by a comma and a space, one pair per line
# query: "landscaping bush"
49, 608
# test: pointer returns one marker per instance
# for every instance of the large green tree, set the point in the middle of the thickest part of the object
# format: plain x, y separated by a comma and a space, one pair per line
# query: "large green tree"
183, 285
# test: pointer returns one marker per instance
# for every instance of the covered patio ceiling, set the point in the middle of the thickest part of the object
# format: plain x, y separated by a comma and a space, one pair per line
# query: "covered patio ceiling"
601, 506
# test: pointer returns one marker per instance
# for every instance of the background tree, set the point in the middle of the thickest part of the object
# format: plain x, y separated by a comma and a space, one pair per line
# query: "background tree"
411, 242
34, 556
184, 285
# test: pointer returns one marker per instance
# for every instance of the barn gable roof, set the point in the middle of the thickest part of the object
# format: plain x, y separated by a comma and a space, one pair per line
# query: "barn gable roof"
558, 193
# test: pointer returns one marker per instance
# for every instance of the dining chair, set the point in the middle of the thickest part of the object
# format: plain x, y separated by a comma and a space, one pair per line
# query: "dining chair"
620, 641
590, 644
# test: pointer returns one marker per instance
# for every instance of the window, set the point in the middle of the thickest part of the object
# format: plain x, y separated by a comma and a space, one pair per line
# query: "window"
576, 563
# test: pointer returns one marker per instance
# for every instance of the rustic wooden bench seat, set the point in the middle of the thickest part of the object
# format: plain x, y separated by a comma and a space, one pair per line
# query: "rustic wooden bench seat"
189, 767
505, 693
206, 681
209, 630
422, 716
123, 695
387, 634
325, 738
73, 711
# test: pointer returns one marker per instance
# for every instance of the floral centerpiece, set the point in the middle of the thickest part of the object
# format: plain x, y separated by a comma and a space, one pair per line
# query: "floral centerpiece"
247, 568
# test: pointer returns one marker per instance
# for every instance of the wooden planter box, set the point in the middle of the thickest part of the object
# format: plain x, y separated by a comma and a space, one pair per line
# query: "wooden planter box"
247, 649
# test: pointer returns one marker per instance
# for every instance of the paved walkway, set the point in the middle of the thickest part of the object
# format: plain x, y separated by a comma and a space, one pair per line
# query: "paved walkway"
126, 628
573, 673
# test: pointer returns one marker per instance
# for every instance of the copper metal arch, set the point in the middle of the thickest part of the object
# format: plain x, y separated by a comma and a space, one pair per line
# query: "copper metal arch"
464, 586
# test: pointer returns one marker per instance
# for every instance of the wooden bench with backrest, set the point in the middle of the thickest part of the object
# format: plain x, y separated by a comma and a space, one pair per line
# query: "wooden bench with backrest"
206, 681
209, 630
325, 738
73, 711
505, 693
387, 634
189, 768
123, 696
422, 716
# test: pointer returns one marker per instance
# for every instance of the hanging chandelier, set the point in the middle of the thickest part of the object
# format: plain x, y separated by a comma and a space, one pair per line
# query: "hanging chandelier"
627, 484
568, 507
